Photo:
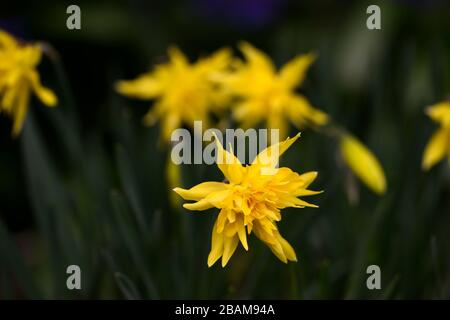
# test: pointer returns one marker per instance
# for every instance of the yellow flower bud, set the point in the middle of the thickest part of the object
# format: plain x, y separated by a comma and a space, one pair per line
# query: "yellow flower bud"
363, 163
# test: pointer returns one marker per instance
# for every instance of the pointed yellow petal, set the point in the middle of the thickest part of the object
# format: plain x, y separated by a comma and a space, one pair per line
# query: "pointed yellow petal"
363, 163
256, 57
216, 246
306, 192
242, 235
277, 250
177, 57
229, 246
144, 87
230, 165
217, 198
198, 206
269, 157
440, 112
44, 94
303, 203
287, 249
200, 191
436, 148
7, 40
293, 73
308, 178
301, 112
20, 110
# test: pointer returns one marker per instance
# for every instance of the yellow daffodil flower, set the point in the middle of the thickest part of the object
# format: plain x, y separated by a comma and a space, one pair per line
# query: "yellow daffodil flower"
184, 92
19, 77
363, 163
250, 201
439, 145
268, 95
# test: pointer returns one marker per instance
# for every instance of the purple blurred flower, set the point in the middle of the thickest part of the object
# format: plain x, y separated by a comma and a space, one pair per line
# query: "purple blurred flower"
241, 13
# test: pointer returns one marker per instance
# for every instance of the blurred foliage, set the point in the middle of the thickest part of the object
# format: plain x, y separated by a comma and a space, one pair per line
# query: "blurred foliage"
84, 184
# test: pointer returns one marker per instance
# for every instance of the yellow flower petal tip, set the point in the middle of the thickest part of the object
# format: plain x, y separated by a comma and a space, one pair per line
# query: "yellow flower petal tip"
250, 202
19, 78
363, 164
438, 147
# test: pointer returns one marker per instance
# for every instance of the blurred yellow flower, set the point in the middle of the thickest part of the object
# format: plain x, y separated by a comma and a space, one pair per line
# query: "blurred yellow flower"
439, 145
19, 77
185, 92
269, 95
250, 200
363, 163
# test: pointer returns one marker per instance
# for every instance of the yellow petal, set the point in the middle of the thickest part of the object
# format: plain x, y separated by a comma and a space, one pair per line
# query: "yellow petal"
306, 192
199, 205
440, 112
436, 148
301, 112
20, 110
229, 247
256, 57
144, 87
217, 61
269, 157
242, 235
44, 94
363, 163
200, 191
287, 249
9, 97
308, 178
294, 72
7, 40
216, 198
278, 251
177, 57
230, 165
216, 246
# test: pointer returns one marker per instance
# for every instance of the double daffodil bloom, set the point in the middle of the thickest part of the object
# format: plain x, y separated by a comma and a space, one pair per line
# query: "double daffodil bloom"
184, 92
250, 201
269, 95
439, 145
19, 77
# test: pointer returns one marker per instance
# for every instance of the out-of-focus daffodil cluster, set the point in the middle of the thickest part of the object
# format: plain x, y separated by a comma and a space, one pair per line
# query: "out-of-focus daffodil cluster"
250, 201
254, 91
439, 145
184, 91
19, 78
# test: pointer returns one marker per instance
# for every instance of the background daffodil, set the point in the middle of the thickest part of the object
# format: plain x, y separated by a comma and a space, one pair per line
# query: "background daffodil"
250, 200
184, 91
19, 77
266, 94
439, 145
363, 163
